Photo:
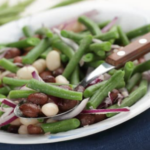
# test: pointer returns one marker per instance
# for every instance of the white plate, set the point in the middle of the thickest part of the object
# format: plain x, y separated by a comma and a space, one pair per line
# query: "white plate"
129, 19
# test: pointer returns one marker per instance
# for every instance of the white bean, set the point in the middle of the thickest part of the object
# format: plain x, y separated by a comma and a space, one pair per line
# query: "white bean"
26, 121
26, 72
50, 121
40, 65
50, 109
61, 79
16, 122
23, 129
53, 61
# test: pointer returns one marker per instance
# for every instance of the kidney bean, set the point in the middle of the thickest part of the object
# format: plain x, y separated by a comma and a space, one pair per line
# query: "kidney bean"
86, 119
22, 38
24, 54
33, 129
13, 129
11, 75
79, 88
49, 78
18, 59
38, 36
65, 105
65, 87
30, 110
114, 95
99, 117
58, 71
12, 52
44, 74
38, 98
28, 49
2, 69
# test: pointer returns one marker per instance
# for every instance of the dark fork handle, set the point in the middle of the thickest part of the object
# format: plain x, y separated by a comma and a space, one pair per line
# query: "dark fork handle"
132, 51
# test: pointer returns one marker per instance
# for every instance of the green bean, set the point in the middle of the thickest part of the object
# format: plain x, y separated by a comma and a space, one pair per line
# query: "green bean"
25, 3
4, 5
36, 52
84, 33
142, 67
72, 35
75, 77
91, 25
45, 32
44, 54
132, 98
112, 41
123, 37
14, 94
10, 11
70, 85
27, 31
6, 64
103, 24
2, 96
112, 34
16, 9
5, 90
40, 31
138, 32
102, 93
95, 64
129, 67
63, 47
7, 19
66, 2
64, 58
88, 57
2, 46
111, 72
90, 91
84, 44
61, 126
53, 90
133, 81
101, 54
24, 43
14, 82
105, 46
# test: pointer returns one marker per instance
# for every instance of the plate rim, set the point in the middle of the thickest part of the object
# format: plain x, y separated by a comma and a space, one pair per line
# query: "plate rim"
90, 132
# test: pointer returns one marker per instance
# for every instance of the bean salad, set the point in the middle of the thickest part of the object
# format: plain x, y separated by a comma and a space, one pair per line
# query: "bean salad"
42, 72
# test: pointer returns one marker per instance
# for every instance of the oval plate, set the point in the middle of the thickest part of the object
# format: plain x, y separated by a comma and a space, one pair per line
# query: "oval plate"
130, 18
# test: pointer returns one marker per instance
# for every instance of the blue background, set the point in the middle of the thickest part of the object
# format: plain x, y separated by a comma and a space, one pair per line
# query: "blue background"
132, 135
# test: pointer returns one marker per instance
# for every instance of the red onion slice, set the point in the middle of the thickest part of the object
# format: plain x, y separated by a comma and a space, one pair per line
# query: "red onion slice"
110, 25
8, 116
7, 120
36, 76
19, 64
3, 51
146, 75
105, 111
8, 103
7, 112
25, 88
124, 92
74, 20
95, 81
